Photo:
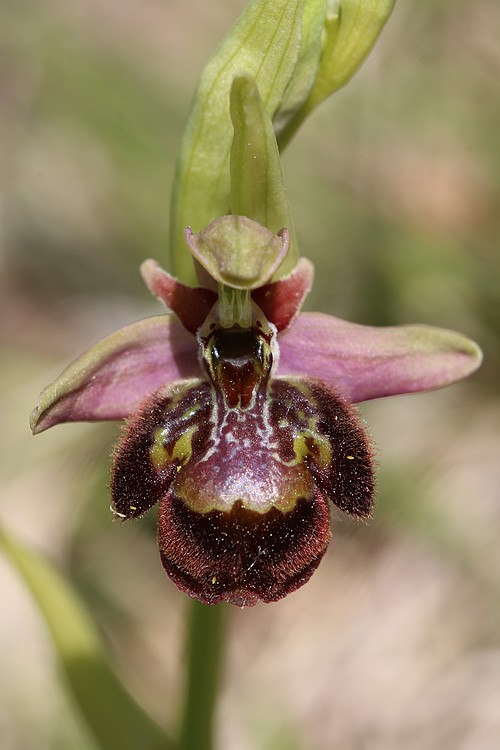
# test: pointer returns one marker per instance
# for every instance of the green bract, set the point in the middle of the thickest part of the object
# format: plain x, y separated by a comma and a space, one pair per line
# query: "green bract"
263, 44
351, 28
308, 60
297, 52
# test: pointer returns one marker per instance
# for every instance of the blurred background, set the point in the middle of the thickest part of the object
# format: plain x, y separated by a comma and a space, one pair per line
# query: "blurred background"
394, 184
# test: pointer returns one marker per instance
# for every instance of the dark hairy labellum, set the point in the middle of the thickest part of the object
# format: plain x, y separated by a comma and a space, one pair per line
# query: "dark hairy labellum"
242, 556
243, 466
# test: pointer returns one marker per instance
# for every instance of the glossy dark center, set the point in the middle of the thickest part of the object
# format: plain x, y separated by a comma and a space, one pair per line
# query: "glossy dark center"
236, 358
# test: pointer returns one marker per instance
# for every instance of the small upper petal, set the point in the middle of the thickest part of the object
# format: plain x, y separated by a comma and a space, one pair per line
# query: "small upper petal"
112, 377
281, 300
190, 304
365, 362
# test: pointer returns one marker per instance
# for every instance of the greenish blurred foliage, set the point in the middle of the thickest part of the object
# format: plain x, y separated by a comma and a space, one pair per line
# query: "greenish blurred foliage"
394, 186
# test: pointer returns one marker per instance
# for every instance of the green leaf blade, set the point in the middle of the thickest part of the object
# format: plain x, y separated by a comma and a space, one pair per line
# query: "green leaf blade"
111, 713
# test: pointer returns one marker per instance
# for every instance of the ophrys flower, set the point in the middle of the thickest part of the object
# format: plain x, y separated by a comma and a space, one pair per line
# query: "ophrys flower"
240, 417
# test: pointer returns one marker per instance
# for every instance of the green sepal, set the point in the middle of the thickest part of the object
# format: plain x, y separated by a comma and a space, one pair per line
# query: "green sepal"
264, 44
257, 187
239, 252
112, 715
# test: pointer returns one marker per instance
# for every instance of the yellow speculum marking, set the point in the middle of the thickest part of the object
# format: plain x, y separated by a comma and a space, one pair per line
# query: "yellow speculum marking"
191, 411
322, 452
158, 452
181, 451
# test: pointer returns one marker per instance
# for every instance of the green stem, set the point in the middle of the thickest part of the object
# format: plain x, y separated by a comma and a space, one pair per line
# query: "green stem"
204, 656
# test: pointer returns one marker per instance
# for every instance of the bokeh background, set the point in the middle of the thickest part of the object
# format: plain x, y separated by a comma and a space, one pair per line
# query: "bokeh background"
394, 183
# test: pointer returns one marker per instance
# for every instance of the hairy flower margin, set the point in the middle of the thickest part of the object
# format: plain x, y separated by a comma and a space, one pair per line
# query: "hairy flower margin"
241, 422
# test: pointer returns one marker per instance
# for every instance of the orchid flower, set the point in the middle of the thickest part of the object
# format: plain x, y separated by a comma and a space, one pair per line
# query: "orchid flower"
240, 410
240, 417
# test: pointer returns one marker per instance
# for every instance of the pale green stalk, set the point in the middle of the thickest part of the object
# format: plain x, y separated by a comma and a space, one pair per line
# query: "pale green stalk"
204, 649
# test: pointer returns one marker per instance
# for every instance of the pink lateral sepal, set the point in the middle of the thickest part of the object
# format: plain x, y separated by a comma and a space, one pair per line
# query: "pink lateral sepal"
365, 362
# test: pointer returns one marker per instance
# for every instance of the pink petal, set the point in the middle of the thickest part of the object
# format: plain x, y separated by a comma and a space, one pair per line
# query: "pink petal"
191, 305
281, 301
366, 362
112, 377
